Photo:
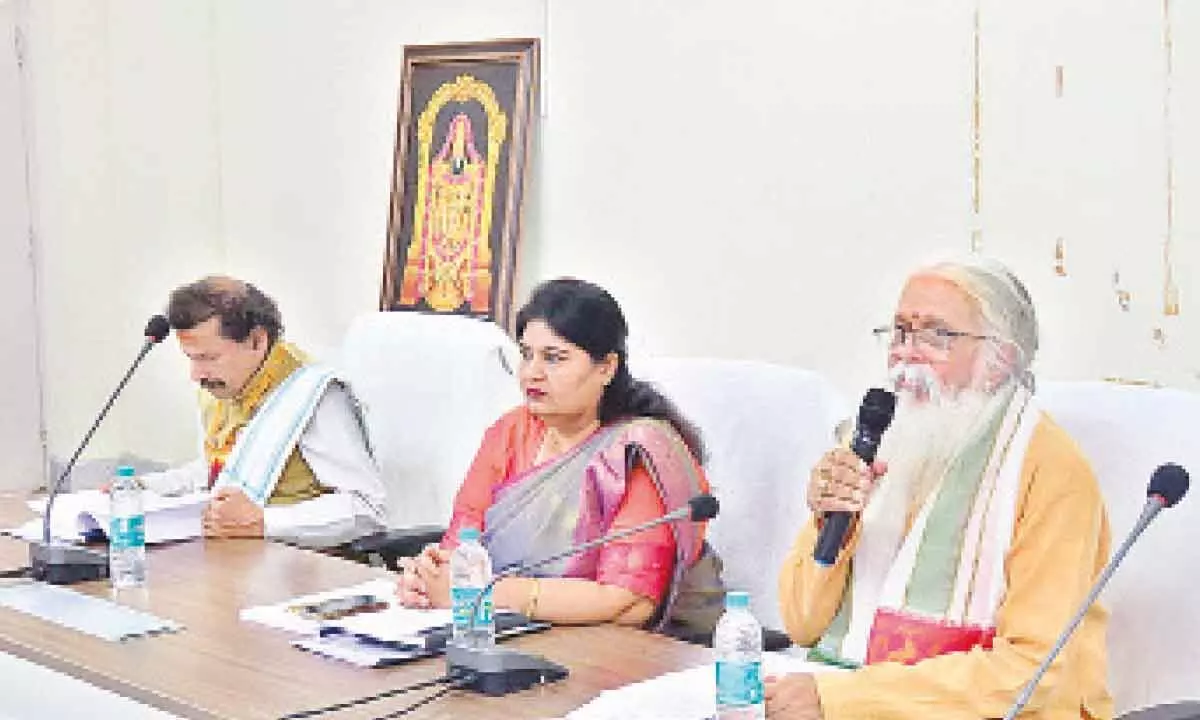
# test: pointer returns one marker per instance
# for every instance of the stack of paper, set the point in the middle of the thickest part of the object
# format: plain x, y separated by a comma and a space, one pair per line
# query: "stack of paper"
355, 651
86, 514
387, 635
397, 624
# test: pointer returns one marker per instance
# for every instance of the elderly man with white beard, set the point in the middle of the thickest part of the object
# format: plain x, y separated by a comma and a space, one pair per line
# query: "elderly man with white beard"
975, 536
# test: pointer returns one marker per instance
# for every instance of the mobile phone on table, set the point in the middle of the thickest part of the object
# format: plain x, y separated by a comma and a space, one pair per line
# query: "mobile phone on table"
339, 607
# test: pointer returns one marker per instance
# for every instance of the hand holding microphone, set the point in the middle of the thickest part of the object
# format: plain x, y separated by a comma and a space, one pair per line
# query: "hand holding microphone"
842, 479
841, 482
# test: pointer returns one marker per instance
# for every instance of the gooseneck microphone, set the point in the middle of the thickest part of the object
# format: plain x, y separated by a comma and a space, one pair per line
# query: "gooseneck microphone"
495, 671
1168, 484
697, 509
64, 564
874, 416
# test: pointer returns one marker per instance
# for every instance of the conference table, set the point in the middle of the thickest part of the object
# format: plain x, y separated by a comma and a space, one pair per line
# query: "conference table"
219, 666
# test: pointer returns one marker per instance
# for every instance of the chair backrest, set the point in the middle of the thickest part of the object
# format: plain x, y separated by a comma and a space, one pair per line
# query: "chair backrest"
1126, 432
764, 426
430, 385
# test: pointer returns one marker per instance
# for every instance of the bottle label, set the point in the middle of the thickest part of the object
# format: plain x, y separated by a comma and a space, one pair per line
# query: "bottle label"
739, 683
125, 533
462, 599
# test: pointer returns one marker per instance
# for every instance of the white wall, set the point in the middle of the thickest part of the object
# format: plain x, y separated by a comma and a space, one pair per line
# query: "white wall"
1090, 166
752, 184
751, 179
820, 151
126, 205
21, 455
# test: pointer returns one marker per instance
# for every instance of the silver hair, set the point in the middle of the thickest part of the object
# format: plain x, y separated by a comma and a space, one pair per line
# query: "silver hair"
1005, 309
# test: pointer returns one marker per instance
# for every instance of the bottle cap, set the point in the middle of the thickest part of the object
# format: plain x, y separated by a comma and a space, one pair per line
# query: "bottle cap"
736, 599
468, 534
125, 471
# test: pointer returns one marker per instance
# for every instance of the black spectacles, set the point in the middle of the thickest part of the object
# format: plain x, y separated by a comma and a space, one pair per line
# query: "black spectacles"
934, 338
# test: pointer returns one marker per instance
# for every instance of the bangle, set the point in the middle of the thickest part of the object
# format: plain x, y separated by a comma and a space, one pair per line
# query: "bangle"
531, 604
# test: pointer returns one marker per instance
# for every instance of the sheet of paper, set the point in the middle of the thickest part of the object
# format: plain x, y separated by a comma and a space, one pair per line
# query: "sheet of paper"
684, 695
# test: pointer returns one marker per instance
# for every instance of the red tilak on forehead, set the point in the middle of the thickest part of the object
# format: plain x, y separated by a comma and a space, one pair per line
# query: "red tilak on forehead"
916, 319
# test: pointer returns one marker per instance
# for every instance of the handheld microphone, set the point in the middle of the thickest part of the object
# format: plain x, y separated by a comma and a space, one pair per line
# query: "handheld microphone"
65, 564
495, 671
1168, 484
874, 417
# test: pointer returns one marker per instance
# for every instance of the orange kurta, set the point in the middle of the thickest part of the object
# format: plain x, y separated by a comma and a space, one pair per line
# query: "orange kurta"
1060, 543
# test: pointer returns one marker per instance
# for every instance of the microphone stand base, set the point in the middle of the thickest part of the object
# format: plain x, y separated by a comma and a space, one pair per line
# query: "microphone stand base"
495, 671
66, 564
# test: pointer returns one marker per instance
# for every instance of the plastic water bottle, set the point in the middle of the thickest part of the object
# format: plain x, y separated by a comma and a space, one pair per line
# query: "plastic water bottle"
126, 532
737, 644
470, 572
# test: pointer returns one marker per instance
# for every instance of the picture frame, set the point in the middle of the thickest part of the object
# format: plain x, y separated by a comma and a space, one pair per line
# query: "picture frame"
460, 170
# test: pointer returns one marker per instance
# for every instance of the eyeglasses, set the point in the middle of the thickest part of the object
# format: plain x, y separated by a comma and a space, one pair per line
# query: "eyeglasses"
935, 338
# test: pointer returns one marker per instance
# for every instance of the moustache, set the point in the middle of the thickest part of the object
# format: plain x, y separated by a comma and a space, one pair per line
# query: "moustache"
918, 379
212, 384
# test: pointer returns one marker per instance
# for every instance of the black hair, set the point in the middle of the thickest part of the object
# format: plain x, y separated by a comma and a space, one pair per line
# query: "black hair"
587, 316
240, 306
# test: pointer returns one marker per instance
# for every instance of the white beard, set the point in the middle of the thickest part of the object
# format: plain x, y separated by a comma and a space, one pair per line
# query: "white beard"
929, 430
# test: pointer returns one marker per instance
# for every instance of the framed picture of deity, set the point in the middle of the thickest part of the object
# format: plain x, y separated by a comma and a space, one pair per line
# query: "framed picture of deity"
466, 115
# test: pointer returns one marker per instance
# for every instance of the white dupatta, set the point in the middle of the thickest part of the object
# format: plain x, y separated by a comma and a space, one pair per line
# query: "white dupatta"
256, 462
884, 560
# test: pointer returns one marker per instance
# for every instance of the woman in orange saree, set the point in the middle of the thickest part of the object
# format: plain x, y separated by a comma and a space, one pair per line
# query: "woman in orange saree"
590, 452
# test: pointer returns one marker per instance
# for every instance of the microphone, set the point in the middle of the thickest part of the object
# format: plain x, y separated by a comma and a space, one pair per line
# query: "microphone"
63, 564
874, 416
1168, 484
495, 671
698, 509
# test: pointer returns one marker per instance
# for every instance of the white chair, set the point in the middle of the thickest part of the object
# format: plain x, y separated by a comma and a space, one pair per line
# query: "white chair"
430, 386
1154, 632
764, 426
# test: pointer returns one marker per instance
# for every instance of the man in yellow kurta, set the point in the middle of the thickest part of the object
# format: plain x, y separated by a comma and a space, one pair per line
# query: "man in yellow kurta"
975, 536
285, 450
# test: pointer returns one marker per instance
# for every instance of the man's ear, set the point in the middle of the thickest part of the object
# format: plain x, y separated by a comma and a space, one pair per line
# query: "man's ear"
258, 338
1005, 365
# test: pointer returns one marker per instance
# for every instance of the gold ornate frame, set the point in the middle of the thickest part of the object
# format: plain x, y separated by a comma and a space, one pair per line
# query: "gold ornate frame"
495, 81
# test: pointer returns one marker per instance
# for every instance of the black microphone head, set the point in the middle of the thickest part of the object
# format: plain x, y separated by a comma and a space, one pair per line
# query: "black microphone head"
1169, 483
875, 413
157, 329
704, 507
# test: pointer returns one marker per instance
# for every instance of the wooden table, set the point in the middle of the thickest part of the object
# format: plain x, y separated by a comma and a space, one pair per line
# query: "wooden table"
222, 667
